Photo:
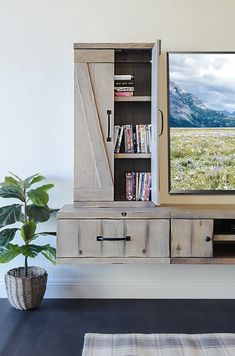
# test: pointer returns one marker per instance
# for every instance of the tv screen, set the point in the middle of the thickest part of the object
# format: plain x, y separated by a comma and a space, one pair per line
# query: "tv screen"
201, 111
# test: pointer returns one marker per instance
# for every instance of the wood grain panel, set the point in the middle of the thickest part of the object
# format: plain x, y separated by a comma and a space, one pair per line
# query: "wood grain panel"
158, 238
131, 45
138, 231
93, 155
88, 230
93, 56
67, 238
188, 238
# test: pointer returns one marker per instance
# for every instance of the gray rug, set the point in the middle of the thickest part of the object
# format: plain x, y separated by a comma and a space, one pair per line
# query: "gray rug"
159, 345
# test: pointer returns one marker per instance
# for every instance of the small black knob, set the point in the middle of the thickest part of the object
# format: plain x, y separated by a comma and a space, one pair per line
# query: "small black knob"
208, 238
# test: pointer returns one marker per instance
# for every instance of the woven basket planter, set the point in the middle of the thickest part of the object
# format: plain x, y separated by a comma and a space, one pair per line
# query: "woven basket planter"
26, 293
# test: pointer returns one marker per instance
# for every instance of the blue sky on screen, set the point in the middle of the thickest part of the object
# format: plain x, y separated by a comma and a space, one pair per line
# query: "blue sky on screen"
209, 76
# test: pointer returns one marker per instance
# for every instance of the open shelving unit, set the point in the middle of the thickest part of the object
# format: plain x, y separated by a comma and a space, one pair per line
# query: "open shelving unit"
132, 110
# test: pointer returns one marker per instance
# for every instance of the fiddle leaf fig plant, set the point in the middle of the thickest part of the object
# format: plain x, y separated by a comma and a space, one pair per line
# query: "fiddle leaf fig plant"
30, 210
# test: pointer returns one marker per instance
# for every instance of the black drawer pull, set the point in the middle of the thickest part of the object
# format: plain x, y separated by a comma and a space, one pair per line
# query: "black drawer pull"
101, 238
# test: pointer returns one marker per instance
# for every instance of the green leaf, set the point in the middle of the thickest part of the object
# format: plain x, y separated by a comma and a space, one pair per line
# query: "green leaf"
11, 181
17, 178
7, 235
46, 233
32, 250
28, 230
46, 187
38, 213
7, 253
50, 253
12, 192
38, 197
33, 179
9, 214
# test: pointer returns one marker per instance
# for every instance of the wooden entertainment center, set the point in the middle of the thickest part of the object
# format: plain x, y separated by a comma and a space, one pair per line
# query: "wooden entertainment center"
101, 226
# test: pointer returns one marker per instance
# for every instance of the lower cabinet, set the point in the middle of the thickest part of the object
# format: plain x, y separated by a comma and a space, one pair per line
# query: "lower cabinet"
191, 238
107, 238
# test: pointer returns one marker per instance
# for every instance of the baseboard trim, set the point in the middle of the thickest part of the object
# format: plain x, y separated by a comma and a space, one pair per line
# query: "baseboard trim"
153, 289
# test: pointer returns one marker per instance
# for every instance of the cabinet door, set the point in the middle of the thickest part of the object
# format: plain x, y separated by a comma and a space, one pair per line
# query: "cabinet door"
191, 238
94, 108
148, 238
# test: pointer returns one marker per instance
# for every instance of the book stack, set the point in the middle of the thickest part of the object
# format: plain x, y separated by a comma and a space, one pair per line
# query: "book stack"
123, 85
137, 138
138, 186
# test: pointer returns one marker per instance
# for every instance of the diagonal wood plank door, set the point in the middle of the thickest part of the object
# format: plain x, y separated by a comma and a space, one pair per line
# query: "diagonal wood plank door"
94, 97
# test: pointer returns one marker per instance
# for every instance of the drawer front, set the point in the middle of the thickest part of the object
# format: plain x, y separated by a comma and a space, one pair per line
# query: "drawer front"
191, 238
113, 238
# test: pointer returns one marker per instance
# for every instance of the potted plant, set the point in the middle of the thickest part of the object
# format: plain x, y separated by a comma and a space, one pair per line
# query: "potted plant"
25, 285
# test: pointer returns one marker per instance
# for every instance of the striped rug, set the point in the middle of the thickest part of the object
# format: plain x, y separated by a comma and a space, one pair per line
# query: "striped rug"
159, 345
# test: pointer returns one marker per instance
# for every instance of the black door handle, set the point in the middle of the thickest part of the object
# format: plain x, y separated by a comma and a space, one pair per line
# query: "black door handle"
109, 112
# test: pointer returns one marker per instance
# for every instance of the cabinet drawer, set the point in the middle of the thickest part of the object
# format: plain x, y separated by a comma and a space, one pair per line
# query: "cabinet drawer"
191, 238
113, 238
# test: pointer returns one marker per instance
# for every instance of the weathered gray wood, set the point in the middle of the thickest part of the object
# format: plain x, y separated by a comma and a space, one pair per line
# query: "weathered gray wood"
188, 238
69, 212
114, 260
67, 238
203, 212
149, 238
93, 155
138, 232
116, 204
78, 238
158, 238
93, 56
154, 120
124, 45
88, 230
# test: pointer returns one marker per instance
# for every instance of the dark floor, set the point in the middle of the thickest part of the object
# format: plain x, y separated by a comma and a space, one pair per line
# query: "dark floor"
58, 326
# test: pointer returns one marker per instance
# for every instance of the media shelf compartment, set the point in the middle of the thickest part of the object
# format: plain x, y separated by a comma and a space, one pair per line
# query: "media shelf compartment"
224, 238
132, 110
121, 166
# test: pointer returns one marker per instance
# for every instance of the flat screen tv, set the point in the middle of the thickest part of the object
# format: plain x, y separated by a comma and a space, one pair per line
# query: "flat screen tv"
201, 113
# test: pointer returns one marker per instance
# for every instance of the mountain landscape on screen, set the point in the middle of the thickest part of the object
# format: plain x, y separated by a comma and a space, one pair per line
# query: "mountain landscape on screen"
187, 110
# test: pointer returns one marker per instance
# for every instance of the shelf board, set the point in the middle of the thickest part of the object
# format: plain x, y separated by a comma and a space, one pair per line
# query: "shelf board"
203, 260
132, 155
224, 237
132, 98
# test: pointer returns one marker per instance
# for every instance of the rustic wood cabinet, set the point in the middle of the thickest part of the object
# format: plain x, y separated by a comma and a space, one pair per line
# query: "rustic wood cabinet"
99, 173
101, 226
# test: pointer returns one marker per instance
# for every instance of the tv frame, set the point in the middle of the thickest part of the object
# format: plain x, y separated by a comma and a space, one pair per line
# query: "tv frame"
187, 192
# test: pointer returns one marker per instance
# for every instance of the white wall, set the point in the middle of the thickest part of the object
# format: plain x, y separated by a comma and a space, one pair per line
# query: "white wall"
36, 117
